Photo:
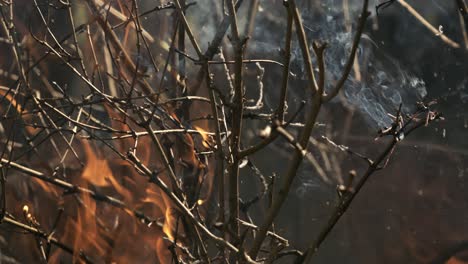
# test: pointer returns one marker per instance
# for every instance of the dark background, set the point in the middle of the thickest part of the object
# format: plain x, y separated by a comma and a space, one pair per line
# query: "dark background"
414, 211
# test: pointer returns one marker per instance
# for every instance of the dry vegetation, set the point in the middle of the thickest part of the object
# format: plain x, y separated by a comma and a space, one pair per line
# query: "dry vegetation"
123, 139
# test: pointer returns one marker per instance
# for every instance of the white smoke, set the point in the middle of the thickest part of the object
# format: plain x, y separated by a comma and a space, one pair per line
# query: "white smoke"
384, 85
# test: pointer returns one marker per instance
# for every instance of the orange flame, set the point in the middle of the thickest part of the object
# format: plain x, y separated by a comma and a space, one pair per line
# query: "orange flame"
103, 231
168, 224
207, 139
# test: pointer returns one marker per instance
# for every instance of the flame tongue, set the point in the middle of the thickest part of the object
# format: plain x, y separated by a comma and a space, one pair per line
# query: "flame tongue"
103, 230
207, 140
169, 225
97, 171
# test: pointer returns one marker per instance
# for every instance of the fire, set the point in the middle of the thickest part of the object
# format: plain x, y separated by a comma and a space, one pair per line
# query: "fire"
97, 230
86, 193
169, 225
97, 171
91, 226
207, 139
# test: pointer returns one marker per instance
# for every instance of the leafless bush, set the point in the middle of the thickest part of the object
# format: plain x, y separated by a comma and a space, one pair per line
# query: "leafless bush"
123, 139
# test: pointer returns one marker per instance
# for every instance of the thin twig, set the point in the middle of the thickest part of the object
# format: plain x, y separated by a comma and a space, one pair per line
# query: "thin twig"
298, 156
428, 25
